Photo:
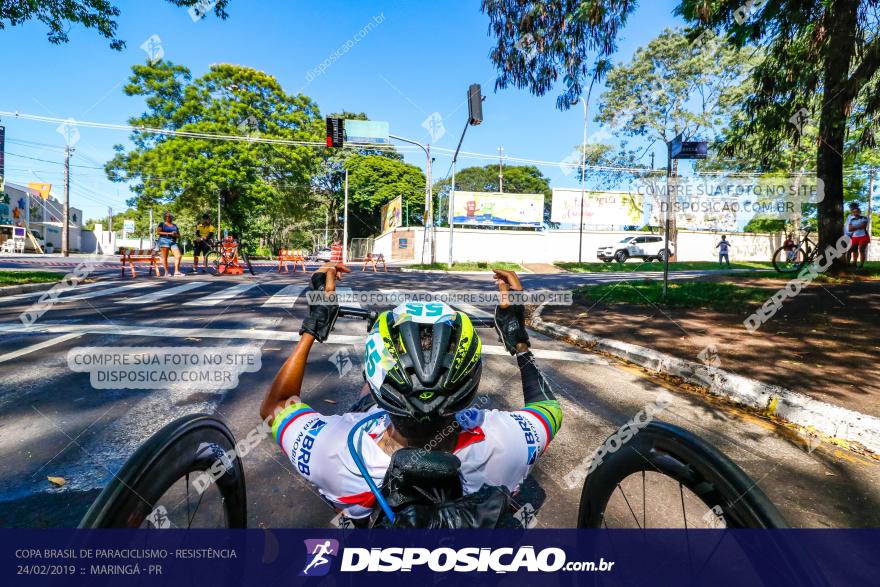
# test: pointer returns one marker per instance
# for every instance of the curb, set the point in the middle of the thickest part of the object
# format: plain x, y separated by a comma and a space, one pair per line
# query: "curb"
771, 400
486, 272
12, 290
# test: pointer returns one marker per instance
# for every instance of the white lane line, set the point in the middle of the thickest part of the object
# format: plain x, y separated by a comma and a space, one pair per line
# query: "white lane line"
164, 293
107, 292
472, 310
286, 297
257, 334
347, 291
39, 346
36, 294
221, 296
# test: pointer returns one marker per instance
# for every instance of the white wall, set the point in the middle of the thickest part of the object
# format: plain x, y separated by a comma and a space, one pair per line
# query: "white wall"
562, 245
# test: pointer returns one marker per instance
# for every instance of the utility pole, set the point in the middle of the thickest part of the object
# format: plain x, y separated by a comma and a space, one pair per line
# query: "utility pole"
870, 198
151, 229
501, 169
345, 223
652, 159
65, 222
475, 117
218, 215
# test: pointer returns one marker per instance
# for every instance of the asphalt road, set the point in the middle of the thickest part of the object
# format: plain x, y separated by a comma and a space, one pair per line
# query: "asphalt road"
53, 422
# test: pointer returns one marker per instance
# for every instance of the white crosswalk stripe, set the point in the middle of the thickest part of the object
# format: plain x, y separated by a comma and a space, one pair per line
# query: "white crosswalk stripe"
286, 297
164, 293
220, 296
107, 292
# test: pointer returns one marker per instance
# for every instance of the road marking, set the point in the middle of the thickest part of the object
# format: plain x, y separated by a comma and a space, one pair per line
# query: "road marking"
39, 346
222, 295
107, 292
286, 297
258, 334
164, 293
347, 291
36, 294
472, 310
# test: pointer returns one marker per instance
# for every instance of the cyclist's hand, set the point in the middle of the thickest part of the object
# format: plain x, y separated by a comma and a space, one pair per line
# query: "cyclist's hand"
323, 312
510, 321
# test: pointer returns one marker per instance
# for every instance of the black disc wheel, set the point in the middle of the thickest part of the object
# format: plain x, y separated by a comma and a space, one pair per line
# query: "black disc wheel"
665, 477
181, 477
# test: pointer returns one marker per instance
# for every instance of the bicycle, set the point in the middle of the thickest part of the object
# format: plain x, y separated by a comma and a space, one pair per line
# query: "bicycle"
673, 458
793, 261
223, 260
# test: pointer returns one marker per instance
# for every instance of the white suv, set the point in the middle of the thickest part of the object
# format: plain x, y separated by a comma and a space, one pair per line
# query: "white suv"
648, 248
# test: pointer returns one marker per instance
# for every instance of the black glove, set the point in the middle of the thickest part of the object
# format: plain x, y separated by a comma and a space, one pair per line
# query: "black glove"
510, 322
322, 316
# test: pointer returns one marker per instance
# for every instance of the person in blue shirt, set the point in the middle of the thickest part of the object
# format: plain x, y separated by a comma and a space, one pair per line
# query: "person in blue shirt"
168, 234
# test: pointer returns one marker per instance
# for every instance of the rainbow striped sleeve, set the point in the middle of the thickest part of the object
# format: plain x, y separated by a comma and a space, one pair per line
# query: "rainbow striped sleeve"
549, 412
287, 417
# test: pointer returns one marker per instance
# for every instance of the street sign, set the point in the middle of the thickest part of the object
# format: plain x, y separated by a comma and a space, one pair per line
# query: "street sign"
335, 132
367, 132
128, 226
688, 149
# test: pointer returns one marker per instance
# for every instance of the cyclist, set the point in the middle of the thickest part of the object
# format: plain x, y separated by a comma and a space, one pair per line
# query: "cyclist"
424, 374
203, 242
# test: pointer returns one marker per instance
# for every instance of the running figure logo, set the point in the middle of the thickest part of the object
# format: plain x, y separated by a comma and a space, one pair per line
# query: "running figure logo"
319, 553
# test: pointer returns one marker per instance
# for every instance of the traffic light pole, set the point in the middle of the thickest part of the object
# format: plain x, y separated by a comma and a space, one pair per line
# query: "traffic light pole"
429, 200
452, 190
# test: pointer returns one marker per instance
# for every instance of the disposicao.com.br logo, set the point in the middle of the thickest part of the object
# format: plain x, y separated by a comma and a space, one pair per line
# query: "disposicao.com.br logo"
440, 560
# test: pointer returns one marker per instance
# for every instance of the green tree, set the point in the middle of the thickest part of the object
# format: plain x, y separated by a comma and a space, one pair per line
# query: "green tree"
537, 43
674, 85
375, 180
518, 179
265, 188
59, 15
821, 65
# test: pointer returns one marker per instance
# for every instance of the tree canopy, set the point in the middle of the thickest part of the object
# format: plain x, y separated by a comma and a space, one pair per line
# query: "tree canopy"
375, 180
100, 15
264, 187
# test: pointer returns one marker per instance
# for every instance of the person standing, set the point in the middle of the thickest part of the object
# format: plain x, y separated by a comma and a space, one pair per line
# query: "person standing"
852, 253
723, 250
168, 234
203, 242
857, 226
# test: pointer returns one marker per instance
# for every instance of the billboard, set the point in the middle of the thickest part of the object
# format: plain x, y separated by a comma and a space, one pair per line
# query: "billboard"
495, 209
392, 214
600, 208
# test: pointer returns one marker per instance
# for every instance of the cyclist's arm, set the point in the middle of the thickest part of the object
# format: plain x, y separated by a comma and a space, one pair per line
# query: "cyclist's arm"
538, 395
288, 381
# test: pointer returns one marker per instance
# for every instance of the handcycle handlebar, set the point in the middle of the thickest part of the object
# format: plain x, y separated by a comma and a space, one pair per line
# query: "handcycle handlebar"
371, 315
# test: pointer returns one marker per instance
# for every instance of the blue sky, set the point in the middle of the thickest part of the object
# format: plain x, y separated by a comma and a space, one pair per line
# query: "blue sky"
419, 59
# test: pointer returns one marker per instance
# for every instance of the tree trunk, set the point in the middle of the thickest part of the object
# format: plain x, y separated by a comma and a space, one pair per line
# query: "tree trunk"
832, 123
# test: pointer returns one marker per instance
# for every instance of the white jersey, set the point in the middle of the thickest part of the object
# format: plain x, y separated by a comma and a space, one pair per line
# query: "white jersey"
495, 448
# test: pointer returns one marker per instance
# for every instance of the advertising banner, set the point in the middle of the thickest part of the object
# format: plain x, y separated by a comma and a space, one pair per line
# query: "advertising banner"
392, 214
494, 209
600, 208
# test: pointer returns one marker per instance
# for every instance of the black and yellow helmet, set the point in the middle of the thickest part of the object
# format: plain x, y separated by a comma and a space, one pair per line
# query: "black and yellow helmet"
422, 360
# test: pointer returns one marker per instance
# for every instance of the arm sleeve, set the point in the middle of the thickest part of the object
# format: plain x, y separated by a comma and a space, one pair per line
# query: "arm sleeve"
538, 395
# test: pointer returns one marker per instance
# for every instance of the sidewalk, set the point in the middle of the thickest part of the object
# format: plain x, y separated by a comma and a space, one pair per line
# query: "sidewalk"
823, 344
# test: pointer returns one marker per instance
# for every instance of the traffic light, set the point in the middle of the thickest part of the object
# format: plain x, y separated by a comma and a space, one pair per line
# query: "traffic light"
475, 104
335, 132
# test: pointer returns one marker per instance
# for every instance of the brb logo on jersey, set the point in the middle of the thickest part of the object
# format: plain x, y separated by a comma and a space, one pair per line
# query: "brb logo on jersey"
304, 453
319, 554
530, 435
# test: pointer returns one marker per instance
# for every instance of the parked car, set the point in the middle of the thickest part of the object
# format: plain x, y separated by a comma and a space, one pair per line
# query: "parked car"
649, 248
323, 255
